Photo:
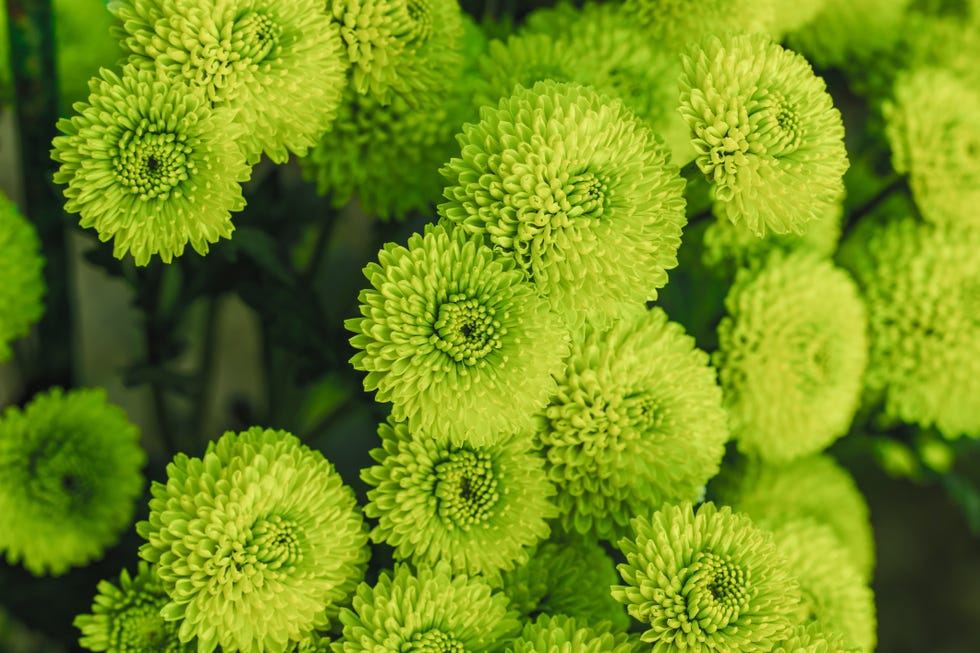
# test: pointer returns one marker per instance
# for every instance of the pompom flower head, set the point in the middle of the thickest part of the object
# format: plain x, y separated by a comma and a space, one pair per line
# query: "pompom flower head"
637, 421
149, 164
933, 128
126, 616
677, 23
479, 508
563, 634
21, 269
256, 543
921, 284
791, 354
708, 580
431, 611
812, 638
455, 338
765, 130
69, 479
279, 64
850, 33
569, 184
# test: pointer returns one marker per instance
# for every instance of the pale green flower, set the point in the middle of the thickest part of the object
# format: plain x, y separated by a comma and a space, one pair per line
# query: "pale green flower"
21, 264
257, 542
812, 638
564, 634
849, 33
69, 479
766, 133
678, 23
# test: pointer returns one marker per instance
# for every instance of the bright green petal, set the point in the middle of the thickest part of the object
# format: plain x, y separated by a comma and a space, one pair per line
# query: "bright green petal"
21, 264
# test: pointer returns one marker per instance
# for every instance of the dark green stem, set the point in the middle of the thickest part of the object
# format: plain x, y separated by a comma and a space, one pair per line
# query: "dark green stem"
205, 372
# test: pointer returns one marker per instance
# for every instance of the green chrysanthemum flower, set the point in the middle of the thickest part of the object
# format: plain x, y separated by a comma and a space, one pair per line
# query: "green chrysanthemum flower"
835, 595
815, 487
567, 575
312, 643
149, 164
428, 612
563, 634
479, 508
455, 338
933, 128
278, 63
570, 184
256, 543
922, 287
706, 581
765, 131
69, 479
406, 47
637, 421
678, 23
126, 617
813, 639
21, 269
791, 354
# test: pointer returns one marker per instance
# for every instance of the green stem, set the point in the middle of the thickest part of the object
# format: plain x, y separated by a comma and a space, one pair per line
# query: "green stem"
205, 373
894, 185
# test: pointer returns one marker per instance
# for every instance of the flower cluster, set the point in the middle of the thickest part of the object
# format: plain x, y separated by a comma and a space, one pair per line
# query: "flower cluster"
20, 267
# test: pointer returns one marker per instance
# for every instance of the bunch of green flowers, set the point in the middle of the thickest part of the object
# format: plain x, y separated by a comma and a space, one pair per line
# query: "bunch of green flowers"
256, 543
70, 474
21, 266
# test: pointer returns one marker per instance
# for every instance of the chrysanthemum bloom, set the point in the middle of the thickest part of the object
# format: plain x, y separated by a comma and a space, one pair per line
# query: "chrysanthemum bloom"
678, 23
814, 487
933, 128
570, 184
69, 479
849, 33
812, 638
835, 595
567, 575
479, 508
455, 338
765, 130
430, 611
706, 581
791, 354
21, 266
563, 634
406, 47
256, 543
637, 421
149, 164
126, 616
279, 64
920, 283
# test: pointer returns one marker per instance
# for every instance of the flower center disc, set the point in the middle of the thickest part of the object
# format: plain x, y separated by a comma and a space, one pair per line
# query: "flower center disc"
276, 542
717, 591
465, 489
151, 163
419, 28
466, 331
254, 36
777, 126
140, 628
433, 641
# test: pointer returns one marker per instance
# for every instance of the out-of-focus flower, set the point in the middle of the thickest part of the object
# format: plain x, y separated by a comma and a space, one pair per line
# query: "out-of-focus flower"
21, 264
849, 33
564, 634
812, 638
677, 24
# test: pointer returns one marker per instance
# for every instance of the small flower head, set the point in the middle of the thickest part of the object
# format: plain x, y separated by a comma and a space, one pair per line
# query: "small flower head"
564, 634
569, 184
812, 638
69, 479
257, 542
849, 33
126, 616
637, 421
933, 128
765, 130
21, 270
921, 284
706, 581
455, 338
791, 354
430, 611
278, 64
478, 508
150, 165
678, 23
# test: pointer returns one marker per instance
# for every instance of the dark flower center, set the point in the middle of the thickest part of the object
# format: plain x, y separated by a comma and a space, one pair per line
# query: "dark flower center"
151, 162
717, 591
466, 331
276, 542
465, 488
777, 127
140, 628
433, 641
254, 36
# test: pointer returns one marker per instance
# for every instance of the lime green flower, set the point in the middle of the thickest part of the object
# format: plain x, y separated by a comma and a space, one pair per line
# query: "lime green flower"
791, 16
791, 354
407, 47
815, 487
567, 575
678, 23
570, 184
835, 594
256, 543
920, 283
126, 617
279, 64
21, 266
429, 612
637, 421
479, 508
149, 164
765, 131
455, 338
813, 639
706, 581
312, 643
69, 479
933, 128
563, 634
